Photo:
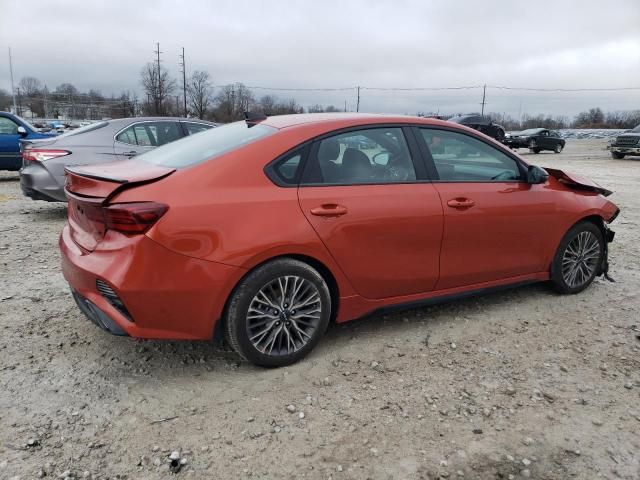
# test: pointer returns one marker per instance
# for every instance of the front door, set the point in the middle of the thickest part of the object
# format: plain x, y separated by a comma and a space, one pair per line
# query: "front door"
494, 222
381, 224
10, 158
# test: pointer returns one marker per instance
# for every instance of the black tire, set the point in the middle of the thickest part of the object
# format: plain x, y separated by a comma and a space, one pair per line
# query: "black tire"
500, 134
617, 155
536, 150
561, 277
559, 147
283, 323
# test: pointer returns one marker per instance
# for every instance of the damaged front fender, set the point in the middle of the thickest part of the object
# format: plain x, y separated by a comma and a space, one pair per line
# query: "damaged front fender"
576, 181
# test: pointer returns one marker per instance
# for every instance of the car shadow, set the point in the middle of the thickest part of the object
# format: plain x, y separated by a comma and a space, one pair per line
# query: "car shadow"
169, 360
50, 211
9, 177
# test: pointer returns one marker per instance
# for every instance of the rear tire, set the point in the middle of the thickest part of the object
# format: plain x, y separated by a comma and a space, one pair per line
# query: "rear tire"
277, 313
617, 155
578, 258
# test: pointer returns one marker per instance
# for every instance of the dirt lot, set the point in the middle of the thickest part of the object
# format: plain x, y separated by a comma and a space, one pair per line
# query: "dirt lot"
523, 383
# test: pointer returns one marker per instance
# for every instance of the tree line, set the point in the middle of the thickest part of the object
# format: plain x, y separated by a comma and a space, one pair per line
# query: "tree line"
164, 97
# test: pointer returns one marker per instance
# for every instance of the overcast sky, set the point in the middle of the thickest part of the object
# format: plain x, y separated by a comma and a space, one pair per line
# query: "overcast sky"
334, 44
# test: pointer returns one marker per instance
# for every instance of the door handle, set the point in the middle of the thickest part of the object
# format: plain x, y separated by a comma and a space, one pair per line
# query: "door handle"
461, 203
132, 153
329, 210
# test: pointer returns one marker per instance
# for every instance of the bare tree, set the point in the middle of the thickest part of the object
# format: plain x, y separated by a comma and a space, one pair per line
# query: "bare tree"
199, 89
232, 101
158, 87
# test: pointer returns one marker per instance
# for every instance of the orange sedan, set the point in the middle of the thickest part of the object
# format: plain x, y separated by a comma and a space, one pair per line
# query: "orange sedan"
266, 230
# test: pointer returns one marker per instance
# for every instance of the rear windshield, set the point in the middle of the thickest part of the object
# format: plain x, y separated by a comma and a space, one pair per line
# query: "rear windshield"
206, 145
85, 129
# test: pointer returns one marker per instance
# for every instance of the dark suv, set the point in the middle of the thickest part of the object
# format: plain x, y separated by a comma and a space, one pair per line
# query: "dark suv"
482, 124
627, 143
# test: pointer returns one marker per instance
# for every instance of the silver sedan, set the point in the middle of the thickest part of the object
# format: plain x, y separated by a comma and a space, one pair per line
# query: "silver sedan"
43, 161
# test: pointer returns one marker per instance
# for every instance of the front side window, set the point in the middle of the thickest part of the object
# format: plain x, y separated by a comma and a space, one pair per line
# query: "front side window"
461, 158
374, 155
8, 127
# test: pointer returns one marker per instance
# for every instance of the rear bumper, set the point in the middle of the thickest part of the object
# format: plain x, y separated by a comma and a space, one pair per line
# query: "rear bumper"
97, 316
167, 295
37, 183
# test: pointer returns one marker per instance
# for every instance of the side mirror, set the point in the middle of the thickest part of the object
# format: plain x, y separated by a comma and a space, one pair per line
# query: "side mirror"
22, 131
536, 175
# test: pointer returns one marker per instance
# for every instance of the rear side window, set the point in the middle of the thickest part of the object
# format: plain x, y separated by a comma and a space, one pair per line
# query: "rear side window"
150, 134
127, 136
373, 155
192, 128
212, 143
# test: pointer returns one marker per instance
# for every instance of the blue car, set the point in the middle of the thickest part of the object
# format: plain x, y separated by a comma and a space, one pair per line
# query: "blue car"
12, 130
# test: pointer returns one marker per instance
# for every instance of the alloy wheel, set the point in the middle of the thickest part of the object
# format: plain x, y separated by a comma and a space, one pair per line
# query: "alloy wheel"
580, 259
284, 315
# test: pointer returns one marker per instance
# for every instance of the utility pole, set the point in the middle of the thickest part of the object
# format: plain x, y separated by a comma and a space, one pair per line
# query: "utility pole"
158, 99
484, 94
345, 105
358, 102
184, 82
19, 110
13, 91
177, 104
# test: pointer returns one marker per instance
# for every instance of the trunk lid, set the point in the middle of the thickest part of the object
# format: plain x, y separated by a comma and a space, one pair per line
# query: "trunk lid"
89, 189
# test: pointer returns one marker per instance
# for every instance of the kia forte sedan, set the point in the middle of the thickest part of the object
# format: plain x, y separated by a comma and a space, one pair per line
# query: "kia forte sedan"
264, 231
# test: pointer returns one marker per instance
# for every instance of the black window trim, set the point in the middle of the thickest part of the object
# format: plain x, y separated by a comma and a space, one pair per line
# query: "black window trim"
271, 169
431, 166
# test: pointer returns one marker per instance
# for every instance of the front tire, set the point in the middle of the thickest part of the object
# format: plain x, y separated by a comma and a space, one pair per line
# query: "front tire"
578, 258
558, 148
617, 155
277, 313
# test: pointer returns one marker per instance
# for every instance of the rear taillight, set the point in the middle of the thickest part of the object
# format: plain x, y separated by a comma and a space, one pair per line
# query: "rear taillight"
42, 154
133, 218
130, 218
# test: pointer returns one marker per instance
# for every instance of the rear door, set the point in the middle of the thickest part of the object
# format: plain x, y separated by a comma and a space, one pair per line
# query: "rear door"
493, 220
10, 158
140, 137
369, 203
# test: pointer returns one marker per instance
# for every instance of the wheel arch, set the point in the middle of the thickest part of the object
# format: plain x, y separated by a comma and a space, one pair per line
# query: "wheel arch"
324, 271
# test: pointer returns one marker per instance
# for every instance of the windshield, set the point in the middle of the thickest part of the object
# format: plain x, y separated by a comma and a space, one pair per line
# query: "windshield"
206, 145
637, 129
86, 128
531, 131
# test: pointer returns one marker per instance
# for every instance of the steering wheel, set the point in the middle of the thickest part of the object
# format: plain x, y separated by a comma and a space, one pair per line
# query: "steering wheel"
396, 174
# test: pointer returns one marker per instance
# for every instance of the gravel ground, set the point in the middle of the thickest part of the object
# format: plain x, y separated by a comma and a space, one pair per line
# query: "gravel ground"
522, 383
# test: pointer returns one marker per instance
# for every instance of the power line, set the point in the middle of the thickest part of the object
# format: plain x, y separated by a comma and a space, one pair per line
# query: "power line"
525, 89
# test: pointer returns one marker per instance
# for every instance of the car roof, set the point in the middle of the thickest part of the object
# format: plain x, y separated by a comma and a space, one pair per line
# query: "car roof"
339, 120
128, 120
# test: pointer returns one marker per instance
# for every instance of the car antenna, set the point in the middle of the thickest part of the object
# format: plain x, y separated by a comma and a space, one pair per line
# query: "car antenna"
252, 118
